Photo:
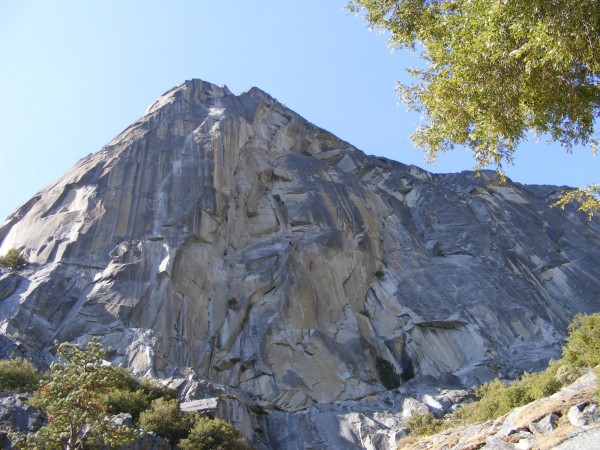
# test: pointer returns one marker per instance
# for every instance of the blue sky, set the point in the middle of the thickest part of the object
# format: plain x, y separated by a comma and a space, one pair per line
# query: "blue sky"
75, 73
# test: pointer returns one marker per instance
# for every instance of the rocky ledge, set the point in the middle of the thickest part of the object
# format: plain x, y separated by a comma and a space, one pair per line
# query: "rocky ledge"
567, 420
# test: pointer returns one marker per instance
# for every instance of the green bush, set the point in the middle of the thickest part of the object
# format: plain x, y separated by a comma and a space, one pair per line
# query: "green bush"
492, 403
542, 384
13, 260
583, 344
155, 390
568, 373
128, 395
426, 424
133, 397
165, 419
213, 434
497, 398
127, 401
18, 374
122, 379
387, 374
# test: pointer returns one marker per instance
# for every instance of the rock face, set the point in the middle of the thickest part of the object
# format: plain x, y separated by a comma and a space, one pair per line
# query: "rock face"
17, 416
224, 238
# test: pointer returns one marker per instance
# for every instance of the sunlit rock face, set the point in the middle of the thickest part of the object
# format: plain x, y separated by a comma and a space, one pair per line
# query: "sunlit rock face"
227, 237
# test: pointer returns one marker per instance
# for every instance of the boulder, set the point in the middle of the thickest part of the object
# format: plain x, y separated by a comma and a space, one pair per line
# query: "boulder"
17, 416
546, 425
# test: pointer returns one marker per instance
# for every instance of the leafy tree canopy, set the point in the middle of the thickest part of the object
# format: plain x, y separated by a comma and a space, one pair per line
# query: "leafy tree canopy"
587, 197
495, 70
71, 395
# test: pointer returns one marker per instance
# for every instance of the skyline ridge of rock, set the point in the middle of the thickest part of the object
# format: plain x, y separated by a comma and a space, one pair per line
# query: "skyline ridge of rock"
224, 238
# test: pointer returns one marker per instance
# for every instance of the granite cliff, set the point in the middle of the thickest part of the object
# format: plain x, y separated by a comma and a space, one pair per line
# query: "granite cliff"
230, 246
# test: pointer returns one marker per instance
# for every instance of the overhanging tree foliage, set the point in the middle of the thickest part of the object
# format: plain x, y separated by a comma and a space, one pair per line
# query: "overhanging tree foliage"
495, 70
588, 199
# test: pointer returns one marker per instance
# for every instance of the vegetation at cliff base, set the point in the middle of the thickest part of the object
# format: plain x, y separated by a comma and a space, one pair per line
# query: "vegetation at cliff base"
128, 401
13, 260
583, 343
426, 424
188, 431
136, 397
208, 434
81, 394
497, 398
71, 395
491, 73
165, 419
18, 374
387, 374
581, 352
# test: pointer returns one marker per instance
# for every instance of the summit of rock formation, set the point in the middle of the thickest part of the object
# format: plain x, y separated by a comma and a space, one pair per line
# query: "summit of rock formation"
225, 239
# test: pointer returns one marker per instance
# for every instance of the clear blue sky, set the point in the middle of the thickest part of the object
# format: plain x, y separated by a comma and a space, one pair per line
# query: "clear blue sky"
74, 73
